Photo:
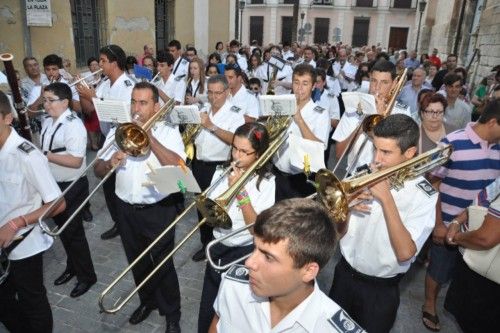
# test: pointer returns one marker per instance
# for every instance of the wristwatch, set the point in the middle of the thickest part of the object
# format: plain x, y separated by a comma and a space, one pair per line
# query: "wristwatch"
213, 129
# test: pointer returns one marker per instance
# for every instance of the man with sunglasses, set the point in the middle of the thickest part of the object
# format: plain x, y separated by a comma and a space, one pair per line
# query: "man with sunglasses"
219, 121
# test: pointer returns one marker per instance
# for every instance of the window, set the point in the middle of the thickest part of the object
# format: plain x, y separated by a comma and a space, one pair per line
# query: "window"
286, 29
321, 27
257, 2
164, 23
360, 31
86, 29
402, 3
290, 2
257, 28
364, 3
323, 2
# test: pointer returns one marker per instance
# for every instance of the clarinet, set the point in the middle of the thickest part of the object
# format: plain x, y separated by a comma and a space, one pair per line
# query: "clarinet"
25, 129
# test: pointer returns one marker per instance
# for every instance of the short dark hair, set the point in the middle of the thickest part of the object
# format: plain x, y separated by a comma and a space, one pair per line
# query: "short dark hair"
114, 53
216, 56
385, 66
432, 98
254, 80
26, 59
211, 65
164, 56
233, 67
175, 43
234, 43
62, 91
130, 60
305, 224
192, 48
491, 111
5, 107
305, 69
400, 127
53, 60
91, 60
450, 78
148, 86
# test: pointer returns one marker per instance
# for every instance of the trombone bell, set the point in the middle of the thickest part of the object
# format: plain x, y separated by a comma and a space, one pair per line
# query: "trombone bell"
132, 139
214, 211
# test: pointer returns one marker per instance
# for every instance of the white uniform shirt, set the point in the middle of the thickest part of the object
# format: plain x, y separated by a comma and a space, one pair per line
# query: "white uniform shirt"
27, 84
349, 72
36, 90
120, 90
180, 68
348, 124
318, 121
260, 199
209, 147
172, 88
242, 62
131, 176
265, 73
246, 101
68, 134
310, 63
329, 102
196, 91
366, 245
25, 181
239, 310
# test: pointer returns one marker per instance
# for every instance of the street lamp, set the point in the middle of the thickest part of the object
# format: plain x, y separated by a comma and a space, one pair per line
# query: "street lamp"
301, 30
242, 6
421, 9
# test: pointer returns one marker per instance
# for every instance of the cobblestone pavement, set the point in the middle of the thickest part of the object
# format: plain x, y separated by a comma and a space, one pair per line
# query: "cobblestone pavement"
82, 314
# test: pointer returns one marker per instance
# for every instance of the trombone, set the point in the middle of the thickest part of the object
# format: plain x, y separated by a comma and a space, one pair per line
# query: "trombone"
131, 139
214, 213
368, 123
337, 195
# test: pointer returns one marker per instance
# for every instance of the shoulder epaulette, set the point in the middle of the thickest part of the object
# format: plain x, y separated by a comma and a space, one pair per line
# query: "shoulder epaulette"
426, 187
71, 117
238, 273
343, 323
401, 105
234, 108
180, 77
319, 109
26, 147
128, 83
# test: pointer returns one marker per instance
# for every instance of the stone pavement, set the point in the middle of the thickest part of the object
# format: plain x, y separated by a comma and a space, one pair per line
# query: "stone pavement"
82, 314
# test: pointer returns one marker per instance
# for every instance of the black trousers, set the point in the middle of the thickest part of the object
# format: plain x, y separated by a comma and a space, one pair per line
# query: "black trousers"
370, 301
291, 186
222, 255
109, 195
138, 227
73, 237
203, 172
24, 306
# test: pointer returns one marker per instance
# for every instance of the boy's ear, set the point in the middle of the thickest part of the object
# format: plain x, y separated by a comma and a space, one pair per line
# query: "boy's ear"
309, 272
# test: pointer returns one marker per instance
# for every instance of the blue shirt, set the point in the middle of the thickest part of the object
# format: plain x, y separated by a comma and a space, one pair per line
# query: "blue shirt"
411, 63
409, 96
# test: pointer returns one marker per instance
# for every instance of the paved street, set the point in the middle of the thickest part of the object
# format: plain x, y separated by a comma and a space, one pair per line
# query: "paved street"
82, 314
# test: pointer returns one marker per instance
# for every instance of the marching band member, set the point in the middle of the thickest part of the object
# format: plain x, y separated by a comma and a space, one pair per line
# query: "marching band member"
181, 64
219, 120
117, 86
276, 290
196, 90
384, 233
311, 122
64, 141
249, 142
382, 80
25, 182
282, 84
143, 212
242, 99
167, 85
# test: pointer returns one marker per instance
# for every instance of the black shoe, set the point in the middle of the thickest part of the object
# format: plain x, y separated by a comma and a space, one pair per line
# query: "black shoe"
87, 215
141, 313
111, 233
199, 255
81, 288
65, 277
173, 327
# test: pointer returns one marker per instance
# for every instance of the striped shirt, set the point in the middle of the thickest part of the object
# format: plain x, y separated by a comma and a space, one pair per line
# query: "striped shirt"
473, 165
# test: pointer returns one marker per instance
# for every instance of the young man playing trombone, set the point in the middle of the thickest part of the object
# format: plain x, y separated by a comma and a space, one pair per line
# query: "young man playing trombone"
143, 212
383, 233
277, 290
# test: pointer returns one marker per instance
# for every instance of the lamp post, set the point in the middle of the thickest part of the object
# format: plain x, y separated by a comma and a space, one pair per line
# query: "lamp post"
301, 30
242, 6
421, 9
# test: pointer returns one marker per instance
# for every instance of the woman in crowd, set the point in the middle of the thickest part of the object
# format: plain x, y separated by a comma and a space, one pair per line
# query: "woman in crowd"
196, 89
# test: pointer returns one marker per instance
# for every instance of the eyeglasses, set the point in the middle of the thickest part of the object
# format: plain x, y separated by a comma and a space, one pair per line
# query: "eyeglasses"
242, 151
438, 114
50, 101
215, 93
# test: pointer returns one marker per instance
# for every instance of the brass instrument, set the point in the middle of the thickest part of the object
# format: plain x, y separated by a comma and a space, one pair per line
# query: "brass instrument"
369, 122
270, 86
83, 79
131, 139
190, 133
337, 195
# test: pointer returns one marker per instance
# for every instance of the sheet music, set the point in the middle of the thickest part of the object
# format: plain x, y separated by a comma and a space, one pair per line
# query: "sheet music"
277, 62
359, 101
301, 148
185, 114
171, 179
113, 111
278, 105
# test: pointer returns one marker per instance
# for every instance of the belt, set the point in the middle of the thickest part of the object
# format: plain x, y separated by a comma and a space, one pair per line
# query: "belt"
170, 199
368, 278
210, 163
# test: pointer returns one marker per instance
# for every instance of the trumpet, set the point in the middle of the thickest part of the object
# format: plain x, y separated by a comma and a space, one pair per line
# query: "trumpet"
131, 139
368, 123
337, 195
117, 306
83, 79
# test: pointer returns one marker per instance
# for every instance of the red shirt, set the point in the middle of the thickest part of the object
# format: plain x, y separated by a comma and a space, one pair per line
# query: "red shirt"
435, 60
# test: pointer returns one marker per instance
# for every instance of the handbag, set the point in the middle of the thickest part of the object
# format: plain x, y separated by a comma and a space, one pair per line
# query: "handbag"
483, 262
